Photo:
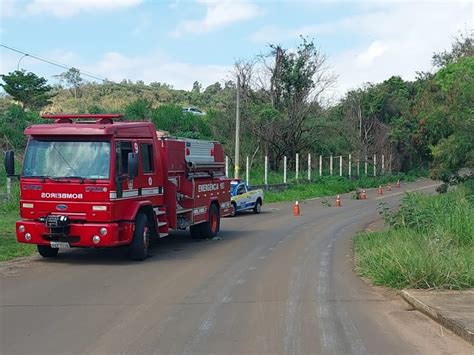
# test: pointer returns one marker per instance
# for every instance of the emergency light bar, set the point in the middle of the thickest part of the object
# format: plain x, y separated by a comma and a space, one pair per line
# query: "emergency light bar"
100, 118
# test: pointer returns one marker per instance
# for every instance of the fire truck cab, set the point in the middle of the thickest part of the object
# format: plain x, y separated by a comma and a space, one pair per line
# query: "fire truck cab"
90, 181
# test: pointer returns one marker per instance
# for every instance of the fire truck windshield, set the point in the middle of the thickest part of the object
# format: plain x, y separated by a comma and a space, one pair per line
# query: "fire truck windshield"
63, 159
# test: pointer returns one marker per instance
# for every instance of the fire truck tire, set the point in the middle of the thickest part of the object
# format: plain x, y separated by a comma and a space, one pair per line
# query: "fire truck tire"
47, 252
141, 238
258, 207
234, 209
210, 228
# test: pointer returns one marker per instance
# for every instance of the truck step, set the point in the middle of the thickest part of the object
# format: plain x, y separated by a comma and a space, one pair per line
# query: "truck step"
160, 224
158, 212
163, 235
184, 210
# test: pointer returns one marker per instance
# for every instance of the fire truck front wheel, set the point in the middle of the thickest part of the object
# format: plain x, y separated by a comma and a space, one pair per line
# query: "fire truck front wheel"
210, 228
47, 252
141, 238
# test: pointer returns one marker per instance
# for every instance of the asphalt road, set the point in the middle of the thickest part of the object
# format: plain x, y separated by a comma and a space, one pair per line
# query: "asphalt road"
274, 284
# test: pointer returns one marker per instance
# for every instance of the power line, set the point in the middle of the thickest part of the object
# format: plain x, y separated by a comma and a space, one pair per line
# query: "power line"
53, 62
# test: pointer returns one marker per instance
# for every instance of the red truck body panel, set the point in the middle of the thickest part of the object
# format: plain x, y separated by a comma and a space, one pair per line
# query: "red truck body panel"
177, 182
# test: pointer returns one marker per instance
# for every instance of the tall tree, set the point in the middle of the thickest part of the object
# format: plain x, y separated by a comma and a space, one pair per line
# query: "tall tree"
72, 78
29, 89
290, 91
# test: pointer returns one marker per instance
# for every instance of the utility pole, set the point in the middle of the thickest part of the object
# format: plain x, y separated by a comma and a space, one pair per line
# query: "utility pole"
237, 131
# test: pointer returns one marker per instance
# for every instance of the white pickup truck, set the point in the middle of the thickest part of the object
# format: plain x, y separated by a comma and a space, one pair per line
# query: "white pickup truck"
243, 199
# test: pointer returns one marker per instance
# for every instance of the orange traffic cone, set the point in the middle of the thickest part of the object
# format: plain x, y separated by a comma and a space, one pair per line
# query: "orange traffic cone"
389, 188
380, 190
338, 201
296, 209
398, 183
363, 195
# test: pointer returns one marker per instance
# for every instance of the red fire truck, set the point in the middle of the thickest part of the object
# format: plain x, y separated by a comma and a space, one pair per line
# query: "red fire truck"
90, 181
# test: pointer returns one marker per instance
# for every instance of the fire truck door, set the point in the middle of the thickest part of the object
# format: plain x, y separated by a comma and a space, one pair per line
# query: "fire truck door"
124, 186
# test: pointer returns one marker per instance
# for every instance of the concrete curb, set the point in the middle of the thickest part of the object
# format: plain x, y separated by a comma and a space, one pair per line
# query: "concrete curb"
456, 327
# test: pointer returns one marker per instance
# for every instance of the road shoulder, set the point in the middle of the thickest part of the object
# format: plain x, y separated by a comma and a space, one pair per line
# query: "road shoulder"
454, 310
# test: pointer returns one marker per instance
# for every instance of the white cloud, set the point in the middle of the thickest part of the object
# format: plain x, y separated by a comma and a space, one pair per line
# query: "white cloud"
7, 7
157, 67
376, 49
398, 38
404, 38
219, 14
115, 66
68, 8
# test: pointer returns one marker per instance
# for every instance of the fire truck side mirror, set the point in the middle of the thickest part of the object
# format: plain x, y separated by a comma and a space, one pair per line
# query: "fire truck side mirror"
132, 165
10, 162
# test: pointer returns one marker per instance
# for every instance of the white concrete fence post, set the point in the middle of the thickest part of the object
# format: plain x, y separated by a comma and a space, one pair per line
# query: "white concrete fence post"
383, 164
284, 169
309, 166
350, 165
330, 165
340, 165
366, 166
9, 188
266, 170
297, 166
358, 167
320, 165
375, 165
226, 166
247, 172
390, 164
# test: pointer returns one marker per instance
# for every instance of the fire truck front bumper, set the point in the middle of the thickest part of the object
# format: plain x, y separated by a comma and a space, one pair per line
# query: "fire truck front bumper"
75, 234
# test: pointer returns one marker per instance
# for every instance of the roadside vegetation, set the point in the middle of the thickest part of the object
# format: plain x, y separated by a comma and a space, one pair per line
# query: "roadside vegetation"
9, 247
331, 185
9, 214
429, 243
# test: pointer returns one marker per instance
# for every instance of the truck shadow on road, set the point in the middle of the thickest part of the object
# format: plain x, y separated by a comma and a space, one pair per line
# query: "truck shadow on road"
178, 245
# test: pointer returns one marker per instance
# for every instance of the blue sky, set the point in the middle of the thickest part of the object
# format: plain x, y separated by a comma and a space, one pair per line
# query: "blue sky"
178, 42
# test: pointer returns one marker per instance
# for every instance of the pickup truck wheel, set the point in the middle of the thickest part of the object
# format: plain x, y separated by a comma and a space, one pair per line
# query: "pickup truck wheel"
234, 209
141, 238
47, 252
210, 228
258, 207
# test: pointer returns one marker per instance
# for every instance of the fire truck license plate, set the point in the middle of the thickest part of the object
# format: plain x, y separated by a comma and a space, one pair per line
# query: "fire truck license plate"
63, 245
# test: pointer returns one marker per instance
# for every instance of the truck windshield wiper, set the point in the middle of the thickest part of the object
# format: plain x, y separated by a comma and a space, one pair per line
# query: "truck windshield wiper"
72, 177
44, 177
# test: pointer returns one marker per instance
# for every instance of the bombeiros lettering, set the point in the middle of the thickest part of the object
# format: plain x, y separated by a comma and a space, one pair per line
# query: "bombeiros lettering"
74, 196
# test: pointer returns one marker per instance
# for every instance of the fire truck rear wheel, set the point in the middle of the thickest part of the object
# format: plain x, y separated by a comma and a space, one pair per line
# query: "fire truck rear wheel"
141, 238
210, 228
47, 252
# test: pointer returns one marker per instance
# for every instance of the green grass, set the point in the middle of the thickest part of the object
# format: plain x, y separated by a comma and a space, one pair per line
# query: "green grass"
9, 247
330, 185
9, 214
430, 244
